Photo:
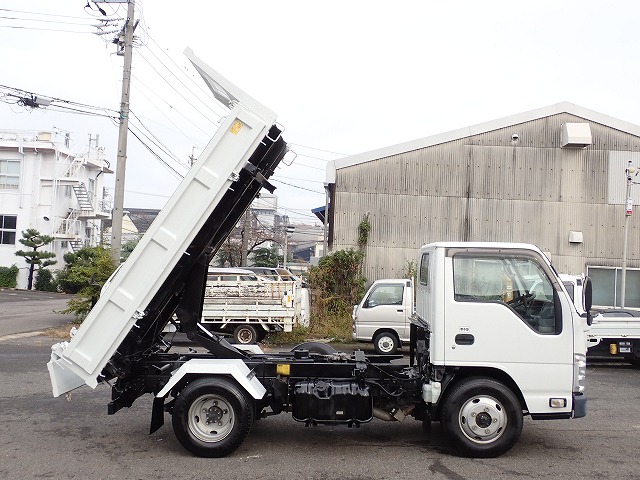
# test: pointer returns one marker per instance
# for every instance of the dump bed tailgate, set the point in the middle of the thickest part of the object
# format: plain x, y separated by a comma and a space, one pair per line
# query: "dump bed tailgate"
210, 193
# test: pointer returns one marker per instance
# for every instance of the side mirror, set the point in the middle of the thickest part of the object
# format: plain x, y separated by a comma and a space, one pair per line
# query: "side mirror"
587, 298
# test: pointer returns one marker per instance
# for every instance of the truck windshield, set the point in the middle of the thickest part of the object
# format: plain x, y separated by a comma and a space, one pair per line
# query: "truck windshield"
385, 295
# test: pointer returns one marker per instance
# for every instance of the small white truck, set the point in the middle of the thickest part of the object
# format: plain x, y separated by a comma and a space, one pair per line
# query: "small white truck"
474, 365
614, 332
383, 316
237, 302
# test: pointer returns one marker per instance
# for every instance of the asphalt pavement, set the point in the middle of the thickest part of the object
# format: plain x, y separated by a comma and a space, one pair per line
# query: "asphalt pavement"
74, 438
30, 311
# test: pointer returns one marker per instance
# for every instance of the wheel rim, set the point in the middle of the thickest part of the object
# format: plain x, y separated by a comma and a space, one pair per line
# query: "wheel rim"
211, 418
386, 344
482, 419
245, 335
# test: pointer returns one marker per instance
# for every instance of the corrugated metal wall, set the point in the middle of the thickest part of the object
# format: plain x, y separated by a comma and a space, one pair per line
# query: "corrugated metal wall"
486, 188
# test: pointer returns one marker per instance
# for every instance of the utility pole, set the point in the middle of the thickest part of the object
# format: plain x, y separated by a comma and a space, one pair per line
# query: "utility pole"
245, 237
287, 230
630, 172
118, 197
325, 236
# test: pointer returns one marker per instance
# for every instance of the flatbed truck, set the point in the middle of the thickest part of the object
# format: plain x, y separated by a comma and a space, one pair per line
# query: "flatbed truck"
614, 332
474, 356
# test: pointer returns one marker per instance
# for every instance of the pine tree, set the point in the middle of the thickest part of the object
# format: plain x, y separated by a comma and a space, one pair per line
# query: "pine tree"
33, 239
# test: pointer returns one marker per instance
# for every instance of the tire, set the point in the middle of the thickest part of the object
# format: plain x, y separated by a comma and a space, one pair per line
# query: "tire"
245, 334
386, 343
222, 404
481, 418
315, 347
261, 334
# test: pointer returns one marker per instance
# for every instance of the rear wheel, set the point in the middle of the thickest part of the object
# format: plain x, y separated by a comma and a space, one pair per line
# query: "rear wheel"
212, 417
261, 334
482, 418
245, 334
386, 343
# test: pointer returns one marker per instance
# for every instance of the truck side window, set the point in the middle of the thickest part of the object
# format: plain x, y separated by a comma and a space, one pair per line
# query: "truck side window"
424, 269
385, 295
519, 283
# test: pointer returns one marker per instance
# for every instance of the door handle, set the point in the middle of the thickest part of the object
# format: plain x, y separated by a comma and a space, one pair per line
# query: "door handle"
464, 339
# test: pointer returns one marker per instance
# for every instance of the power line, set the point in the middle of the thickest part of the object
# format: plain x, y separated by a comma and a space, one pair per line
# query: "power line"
180, 94
44, 21
143, 193
172, 170
43, 29
198, 86
300, 179
25, 93
138, 81
320, 150
158, 142
181, 82
39, 13
296, 186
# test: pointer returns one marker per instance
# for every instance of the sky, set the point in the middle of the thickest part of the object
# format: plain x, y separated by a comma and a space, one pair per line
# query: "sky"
344, 77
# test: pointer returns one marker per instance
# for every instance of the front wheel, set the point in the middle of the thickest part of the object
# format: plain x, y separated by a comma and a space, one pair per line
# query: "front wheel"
212, 417
482, 418
386, 343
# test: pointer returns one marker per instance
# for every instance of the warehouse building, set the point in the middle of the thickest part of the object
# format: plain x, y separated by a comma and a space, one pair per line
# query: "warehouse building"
555, 177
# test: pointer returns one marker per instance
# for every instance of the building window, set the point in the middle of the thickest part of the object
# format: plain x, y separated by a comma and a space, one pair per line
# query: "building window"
91, 189
8, 229
607, 286
9, 174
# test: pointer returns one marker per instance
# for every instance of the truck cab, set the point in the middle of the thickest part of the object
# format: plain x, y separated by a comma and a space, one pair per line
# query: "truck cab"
384, 315
483, 320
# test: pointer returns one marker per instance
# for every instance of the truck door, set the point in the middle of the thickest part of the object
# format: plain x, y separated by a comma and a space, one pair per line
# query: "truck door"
492, 320
385, 307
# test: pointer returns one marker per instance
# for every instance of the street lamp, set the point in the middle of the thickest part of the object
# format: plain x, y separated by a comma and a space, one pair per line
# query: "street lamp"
630, 172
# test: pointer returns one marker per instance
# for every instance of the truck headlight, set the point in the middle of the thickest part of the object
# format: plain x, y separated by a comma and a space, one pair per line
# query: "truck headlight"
579, 372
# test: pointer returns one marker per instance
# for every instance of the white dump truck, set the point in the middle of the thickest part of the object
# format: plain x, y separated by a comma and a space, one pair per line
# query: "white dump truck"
474, 362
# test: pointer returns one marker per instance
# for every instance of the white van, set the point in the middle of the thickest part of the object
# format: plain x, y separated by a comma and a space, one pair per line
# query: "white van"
384, 315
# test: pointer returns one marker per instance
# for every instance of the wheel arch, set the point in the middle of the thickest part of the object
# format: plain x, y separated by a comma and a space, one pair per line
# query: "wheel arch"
467, 373
235, 369
387, 330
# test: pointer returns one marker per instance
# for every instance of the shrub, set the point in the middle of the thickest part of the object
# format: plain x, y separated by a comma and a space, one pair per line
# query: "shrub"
9, 276
84, 274
337, 284
45, 282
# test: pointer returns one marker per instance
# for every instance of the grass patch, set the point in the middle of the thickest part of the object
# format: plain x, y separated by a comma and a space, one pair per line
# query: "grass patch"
334, 328
61, 332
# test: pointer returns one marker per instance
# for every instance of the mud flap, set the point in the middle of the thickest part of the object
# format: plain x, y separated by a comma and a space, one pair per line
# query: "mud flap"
157, 414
